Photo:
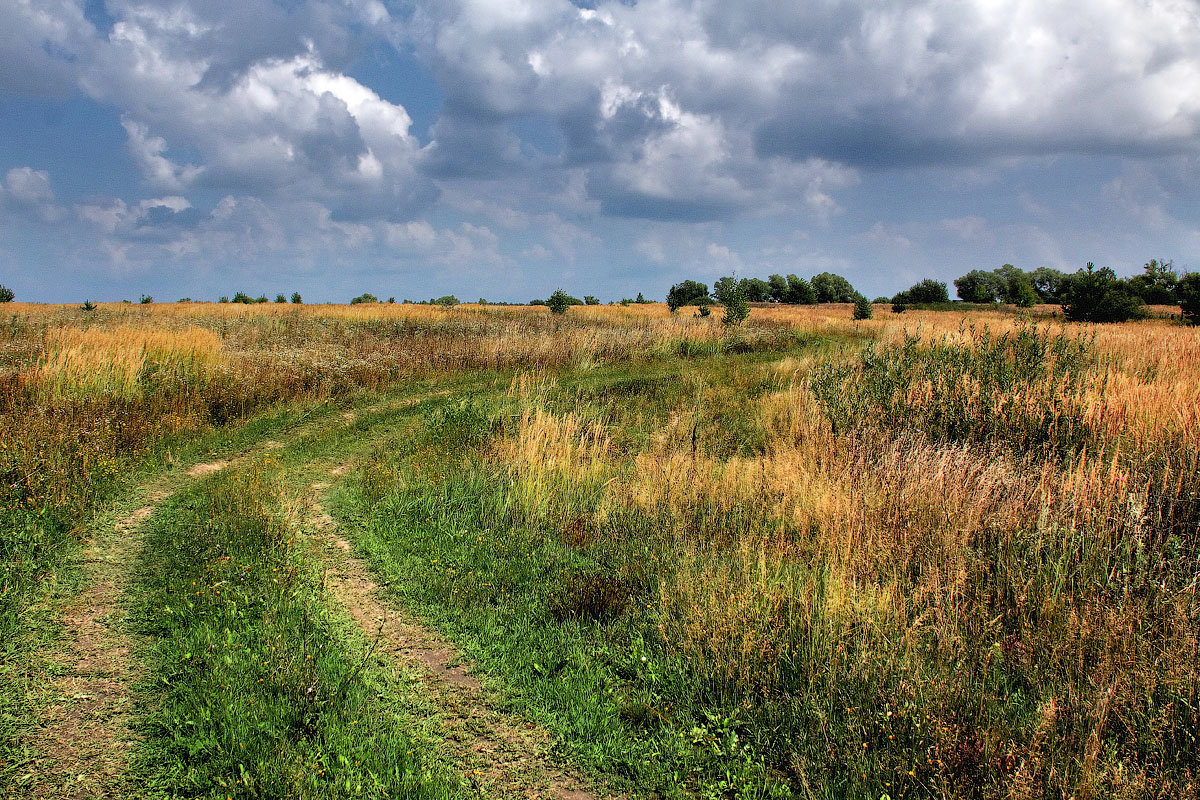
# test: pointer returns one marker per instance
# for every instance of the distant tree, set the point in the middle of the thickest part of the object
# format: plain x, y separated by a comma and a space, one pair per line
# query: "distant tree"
1097, 295
927, 291
365, 297
447, 300
223, 299
641, 300
591, 300
296, 298
1047, 282
703, 310
756, 290
863, 309
1016, 287
899, 306
88, 305
777, 288
483, 301
1157, 283
978, 286
146, 299
799, 292
1187, 290
536, 302
725, 288
559, 302
392, 300
184, 300
881, 300
6, 294
262, 298
242, 297
831, 288
687, 293
280, 298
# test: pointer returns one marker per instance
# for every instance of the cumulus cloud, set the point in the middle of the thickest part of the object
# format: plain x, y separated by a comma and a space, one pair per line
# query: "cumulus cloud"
27, 191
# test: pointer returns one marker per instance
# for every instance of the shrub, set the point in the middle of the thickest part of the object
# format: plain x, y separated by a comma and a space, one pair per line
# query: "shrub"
1188, 292
445, 300
899, 308
145, 299
88, 305
365, 297
703, 311
591, 300
6, 294
242, 297
280, 298
296, 298
1097, 295
737, 308
559, 302
862, 308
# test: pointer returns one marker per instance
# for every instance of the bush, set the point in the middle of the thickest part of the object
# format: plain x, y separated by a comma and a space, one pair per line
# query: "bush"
862, 308
6, 294
296, 298
737, 308
447, 300
703, 311
589, 300
899, 308
242, 297
559, 302
1097, 295
146, 299
1188, 292
280, 298
365, 297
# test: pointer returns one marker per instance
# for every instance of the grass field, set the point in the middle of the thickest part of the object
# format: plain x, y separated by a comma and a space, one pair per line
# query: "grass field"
406, 551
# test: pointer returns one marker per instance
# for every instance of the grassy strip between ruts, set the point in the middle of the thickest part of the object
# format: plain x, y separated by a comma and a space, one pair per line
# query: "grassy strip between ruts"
254, 690
29, 628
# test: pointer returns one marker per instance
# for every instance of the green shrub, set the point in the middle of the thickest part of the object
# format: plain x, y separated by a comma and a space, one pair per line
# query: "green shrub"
6, 294
365, 297
559, 302
862, 308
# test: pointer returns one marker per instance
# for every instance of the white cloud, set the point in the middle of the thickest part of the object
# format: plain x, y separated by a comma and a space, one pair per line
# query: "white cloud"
29, 191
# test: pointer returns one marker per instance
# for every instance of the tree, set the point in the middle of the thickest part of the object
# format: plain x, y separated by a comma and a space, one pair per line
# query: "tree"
446, 300
1097, 295
146, 299
687, 293
280, 298
978, 286
591, 300
777, 288
242, 297
1047, 282
1015, 286
725, 289
296, 298
737, 309
641, 300
1157, 283
832, 288
6, 294
1187, 290
756, 290
365, 297
559, 302
927, 291
863, 309
799, 292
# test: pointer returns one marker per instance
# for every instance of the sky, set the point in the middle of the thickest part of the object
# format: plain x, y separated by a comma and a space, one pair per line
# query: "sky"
506, 148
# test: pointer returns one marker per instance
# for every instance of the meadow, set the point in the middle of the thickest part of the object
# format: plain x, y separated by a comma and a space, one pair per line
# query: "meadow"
931, 554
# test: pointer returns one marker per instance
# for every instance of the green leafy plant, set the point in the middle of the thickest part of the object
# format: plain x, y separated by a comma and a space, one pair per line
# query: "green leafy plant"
1188, 292
1097, 295
862, 308
6, 294
559, 302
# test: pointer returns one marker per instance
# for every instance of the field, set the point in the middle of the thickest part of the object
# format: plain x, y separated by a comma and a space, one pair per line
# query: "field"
390, 551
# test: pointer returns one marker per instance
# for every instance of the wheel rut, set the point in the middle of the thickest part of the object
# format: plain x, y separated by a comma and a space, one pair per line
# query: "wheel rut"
502, 755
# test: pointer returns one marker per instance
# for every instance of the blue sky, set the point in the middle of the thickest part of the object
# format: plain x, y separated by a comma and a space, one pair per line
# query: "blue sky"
504, 148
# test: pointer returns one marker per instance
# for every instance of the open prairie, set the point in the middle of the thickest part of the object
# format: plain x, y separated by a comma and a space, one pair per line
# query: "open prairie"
410, 551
